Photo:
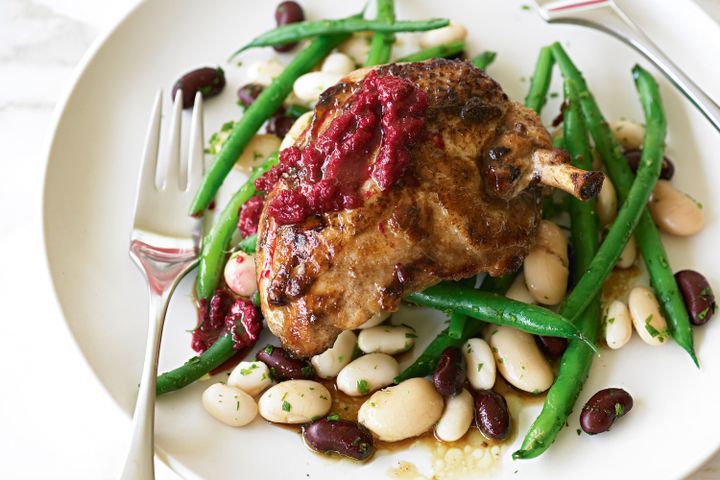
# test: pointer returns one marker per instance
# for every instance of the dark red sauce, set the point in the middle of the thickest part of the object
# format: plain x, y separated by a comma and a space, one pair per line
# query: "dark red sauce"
386, 113
250, 216
222, 314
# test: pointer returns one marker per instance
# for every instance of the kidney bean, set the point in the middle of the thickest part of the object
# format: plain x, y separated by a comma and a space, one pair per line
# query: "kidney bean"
553, 347
491, 414
283, 366
207, 80
288, 12
248, 93
633, 158
279, 124
698, 296
603, 408
449, 374
339, 436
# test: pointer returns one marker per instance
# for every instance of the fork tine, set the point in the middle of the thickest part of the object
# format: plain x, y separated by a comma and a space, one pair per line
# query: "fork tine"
152, 145
172, 174
197, 143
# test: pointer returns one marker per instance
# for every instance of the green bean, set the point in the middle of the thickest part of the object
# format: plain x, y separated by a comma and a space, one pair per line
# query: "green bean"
441, 51
577, 358
215, 244
294, 32
457, 325
497, 310
248, 244
427, 361
483, 60
540, 81
295, 111
381, 44
218, 353
646, 233
261, 109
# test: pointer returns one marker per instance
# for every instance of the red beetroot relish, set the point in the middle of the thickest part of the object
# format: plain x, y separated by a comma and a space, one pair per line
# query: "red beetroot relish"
225, 314
250, 216
330, 171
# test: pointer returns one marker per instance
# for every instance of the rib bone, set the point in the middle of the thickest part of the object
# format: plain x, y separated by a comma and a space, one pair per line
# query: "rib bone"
552, 169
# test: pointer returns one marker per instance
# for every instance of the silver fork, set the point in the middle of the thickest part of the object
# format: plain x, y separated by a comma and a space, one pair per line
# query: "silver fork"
164, 244
606, 16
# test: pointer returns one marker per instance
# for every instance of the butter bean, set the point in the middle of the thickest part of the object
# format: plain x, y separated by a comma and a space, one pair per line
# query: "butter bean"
295, 401
628, 255
519, 291
338, 62
251, 377
629, 134
368, 373
309, 86
230, 405
618, 325
296, 130
440, 36
479, 364
606, 204
546, 266
403, 411
645, 313
456, 418
263, 72
329, 363
375, 320
674, 212
388, 339
519, 359
258, 149
239, 274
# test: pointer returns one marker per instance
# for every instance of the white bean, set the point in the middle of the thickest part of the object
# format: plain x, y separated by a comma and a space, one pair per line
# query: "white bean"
297, 129
329, 363
629, 134
440, 36
456, 418
618, 326
309, 86
649, 323
295, 401
403, 411
480, 364
375, 320
357, 47
546, 266
367, 374
239, 274
519, 291
264, 71
606, 203
388, 339
230, 405
674, 212
338, 62
258, 149
628, 254
250, 377
519, 359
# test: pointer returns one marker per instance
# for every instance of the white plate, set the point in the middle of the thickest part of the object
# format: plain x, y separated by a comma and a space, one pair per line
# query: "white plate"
90, 185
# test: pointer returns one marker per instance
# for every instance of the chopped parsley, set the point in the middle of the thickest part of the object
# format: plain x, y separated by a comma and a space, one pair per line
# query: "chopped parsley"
307, 371
578, 432
333, 418
248, 371
340, 358
410, 335
269, 349
218, 138
286, 406
479, 367
611, 320
362, 386
619, 410
237, 405
654, 331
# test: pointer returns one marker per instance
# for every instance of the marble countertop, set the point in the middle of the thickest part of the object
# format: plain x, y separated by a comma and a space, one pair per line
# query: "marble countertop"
56, 420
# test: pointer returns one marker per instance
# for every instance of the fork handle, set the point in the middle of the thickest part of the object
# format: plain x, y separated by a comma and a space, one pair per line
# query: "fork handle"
623, 28
139, 464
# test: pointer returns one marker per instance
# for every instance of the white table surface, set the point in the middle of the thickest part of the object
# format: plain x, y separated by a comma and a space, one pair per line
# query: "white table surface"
56, 421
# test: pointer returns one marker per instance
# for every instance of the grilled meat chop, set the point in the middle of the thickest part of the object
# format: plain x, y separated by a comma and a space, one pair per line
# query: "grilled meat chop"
471, 204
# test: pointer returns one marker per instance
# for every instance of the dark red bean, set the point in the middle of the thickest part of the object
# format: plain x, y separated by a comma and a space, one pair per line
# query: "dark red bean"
207, 80
339, 436
248, 93
553, 347
491, 414
449, 375
279, 124
284, 366
603, 408
697, 294
288, 12
633, 158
